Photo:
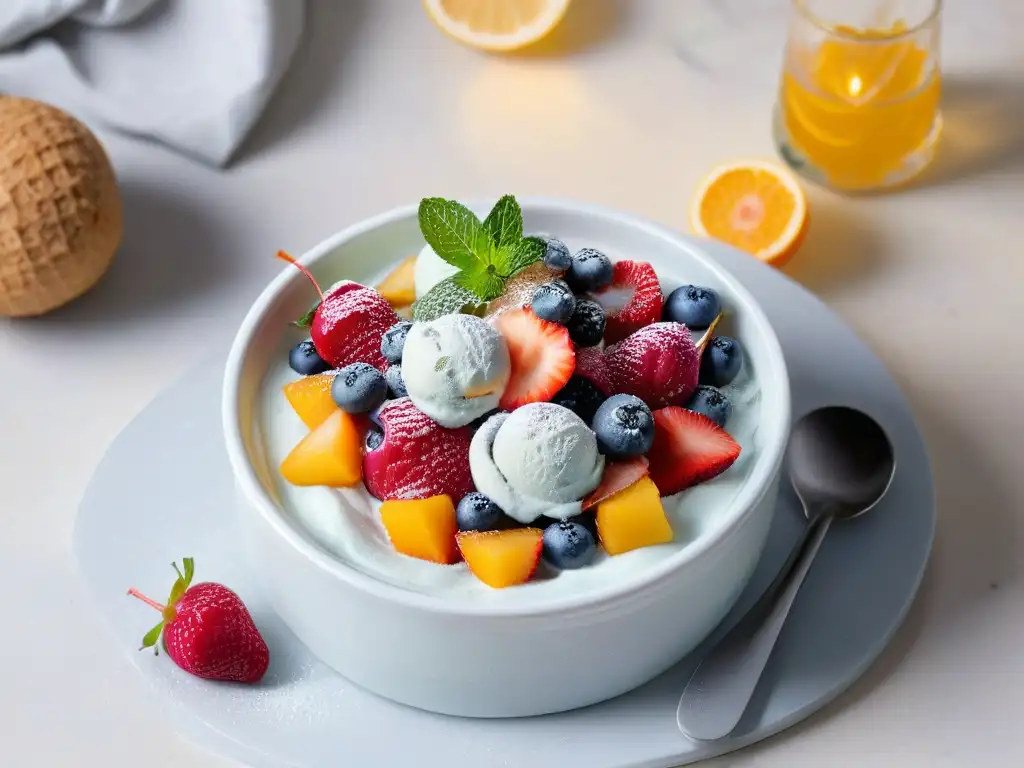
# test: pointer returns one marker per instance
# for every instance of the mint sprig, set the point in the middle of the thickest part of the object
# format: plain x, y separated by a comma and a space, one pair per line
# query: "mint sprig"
486, 253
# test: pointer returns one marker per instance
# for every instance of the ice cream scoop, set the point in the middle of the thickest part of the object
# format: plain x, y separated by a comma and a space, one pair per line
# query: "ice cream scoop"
430, 270
539, 460
455, 368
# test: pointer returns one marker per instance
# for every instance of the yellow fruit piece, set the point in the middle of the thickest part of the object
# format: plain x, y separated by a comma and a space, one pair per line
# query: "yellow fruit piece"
331, 455
399, 287
756, 206
423, 528
633, 518
310, 397
502, 559
496, 25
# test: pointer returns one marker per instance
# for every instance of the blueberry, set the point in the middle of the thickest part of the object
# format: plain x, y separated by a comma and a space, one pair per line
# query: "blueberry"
393, 376
693, 306
624, 426
554, 302
580, 396
712, 403
722, 360
476, 512
374, 437
393, 341
305, 360
590, 270
586, 326
359, 388
568, 544
556, 255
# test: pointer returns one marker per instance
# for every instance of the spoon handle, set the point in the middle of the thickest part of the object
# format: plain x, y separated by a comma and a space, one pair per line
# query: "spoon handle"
721, 687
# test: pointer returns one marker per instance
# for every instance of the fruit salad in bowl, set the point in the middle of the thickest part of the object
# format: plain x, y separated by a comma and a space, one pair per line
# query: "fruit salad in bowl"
544, 422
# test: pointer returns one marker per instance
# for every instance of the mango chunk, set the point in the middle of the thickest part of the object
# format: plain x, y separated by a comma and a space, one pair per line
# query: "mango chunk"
502, 558
331, 455
423, 528
399, 287
310, 397
633, 518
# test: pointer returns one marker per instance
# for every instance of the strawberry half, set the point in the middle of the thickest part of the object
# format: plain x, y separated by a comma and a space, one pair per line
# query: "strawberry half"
631, 301
591, 365
618, 476
689, 448
542, 357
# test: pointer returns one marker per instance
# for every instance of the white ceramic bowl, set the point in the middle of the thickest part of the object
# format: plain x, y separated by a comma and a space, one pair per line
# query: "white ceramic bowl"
473, 657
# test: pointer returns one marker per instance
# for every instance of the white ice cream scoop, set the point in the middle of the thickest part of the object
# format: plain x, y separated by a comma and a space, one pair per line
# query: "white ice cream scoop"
455, 368
541, 459
429, 270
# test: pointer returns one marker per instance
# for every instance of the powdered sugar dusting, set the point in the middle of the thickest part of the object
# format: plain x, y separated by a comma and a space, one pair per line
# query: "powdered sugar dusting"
418, 458
349, 323
659, 364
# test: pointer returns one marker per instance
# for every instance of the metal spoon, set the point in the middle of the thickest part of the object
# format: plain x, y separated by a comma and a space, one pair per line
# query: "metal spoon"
841, 464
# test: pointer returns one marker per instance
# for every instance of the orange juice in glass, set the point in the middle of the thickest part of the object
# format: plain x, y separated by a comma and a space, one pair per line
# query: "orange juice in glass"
858, 106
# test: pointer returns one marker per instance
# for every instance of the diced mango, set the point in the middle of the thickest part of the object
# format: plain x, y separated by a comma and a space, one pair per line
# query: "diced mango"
502, 558
331, 455
310, 397
633, 518
423, 528
399, 287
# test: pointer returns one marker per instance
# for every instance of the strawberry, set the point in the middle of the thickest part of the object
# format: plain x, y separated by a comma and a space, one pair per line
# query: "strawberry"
591, 365
347, 324
618, 475
631, 301
417, 458
688, 449
659, 364
542, 357
207, 631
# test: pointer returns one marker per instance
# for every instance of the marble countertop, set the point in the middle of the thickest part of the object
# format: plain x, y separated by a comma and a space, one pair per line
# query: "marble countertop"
640, 100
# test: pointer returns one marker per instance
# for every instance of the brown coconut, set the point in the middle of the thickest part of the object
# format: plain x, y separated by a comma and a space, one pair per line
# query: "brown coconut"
61, 219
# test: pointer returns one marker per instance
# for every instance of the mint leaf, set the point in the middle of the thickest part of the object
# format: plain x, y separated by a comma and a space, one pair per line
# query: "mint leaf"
454, 232
520, 255
445, 298
149, 641
307, 319
482, 281
441, 363
505, 222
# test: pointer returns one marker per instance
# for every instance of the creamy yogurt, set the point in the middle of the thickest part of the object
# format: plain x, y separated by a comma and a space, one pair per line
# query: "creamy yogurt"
346, 524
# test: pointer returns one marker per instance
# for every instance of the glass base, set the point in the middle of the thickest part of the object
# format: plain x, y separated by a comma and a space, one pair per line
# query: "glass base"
912, 166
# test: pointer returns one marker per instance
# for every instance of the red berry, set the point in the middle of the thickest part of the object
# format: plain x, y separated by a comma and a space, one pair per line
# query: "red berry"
348, 325
417, 457
632, 300
618, 476
689, 448
542, 357
591, 365
348, 322
659, 364
208, 631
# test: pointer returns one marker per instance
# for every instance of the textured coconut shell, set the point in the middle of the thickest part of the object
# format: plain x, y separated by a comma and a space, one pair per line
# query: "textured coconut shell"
60, 210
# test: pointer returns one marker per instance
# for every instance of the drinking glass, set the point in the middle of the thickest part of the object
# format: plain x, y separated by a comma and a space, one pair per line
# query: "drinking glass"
858, 106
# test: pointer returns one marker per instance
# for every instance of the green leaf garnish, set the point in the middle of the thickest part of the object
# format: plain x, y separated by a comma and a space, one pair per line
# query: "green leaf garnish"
307, 319
149, 641
527, 251
445, 298
454, 232
483, 281
505, 222
441, 363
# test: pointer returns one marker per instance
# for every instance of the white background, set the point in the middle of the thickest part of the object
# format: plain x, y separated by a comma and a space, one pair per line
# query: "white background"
643, 98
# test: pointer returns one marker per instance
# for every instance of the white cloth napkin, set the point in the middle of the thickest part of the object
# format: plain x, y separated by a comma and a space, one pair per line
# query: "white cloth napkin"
193, 74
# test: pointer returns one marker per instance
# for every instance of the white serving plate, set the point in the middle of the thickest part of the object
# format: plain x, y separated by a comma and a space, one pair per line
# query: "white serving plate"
473, 656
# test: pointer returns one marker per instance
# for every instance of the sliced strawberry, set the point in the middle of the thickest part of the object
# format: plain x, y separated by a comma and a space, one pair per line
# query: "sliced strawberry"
689, 448
659, 364
542, 357
631, 301
348, 324
618, 475
591, 365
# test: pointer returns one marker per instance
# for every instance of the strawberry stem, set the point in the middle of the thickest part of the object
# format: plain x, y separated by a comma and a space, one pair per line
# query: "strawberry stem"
291, 260
147, 600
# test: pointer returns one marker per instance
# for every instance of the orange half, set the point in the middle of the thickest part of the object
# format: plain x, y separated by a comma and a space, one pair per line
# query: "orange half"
496, 25
756, 206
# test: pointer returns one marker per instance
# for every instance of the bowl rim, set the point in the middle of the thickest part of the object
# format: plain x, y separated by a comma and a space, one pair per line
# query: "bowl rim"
767, 465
